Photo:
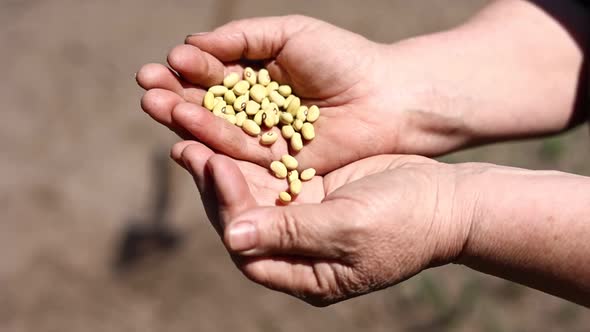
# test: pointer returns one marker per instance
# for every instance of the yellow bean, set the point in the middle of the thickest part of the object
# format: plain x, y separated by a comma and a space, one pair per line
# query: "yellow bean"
230, 80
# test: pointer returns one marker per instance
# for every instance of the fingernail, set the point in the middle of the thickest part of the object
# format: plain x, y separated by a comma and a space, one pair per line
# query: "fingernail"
197, 34
242, 236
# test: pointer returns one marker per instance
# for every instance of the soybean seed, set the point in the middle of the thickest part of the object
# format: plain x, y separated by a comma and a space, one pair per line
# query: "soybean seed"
285, 90
258, 93
219, 108
268, 138
288, 101
229, 97
297, 124
250, 127
294, 106
285, 197
302, 113
313, 114
252, 107
272, 86
268, 117
286, 118
240, 103
292, 176
263, 77
307, 174
241, 88
230, 118
240, 118
258, 117
276, 98
290, 162
296, 142
209, 100
295, 187
230, 80
218, 90
250, 75
308, 131
279, 169
287, 131
265, 103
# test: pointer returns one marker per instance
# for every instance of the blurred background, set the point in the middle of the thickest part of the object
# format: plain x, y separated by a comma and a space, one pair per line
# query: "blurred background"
101, 232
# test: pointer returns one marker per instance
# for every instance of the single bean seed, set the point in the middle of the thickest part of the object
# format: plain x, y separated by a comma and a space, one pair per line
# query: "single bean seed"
290, 162
229, 97
276, 98
285, 197
287, 131
272, 86
252, 107
219, 108
257, 93
263, 77
230, 80
286, 118
268, 138
288, 101
240, 118
307, 174
292, 176
230, 118
268, 118
297, 124
209, 100
294, 106
302, 113
241, 88
285, 90
264, 103
308, 131
250, 127
258, 117
295, 187
218, 90
296, 142
250, 75
279, 169
241, 103
229, 110
313, 113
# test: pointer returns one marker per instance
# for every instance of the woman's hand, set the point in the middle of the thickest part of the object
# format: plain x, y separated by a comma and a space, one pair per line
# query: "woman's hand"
342, 72
361, 228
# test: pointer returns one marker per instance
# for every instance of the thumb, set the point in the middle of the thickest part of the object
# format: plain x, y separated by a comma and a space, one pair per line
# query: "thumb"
305, 230
253, 39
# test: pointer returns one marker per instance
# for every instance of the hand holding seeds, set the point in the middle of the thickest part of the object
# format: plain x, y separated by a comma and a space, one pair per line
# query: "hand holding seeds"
363, 227
304, 67
272, 104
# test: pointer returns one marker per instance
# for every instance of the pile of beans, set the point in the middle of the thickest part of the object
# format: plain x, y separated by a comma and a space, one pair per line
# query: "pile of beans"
255, 102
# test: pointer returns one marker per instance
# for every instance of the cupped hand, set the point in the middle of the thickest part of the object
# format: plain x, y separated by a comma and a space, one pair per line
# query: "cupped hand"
342, 72
361, 228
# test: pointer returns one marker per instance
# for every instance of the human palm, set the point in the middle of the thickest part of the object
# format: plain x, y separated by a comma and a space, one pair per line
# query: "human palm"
327, 66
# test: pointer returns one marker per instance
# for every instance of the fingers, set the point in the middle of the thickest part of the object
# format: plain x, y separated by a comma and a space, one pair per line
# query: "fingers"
155, 75
303, 230
219, 134
196, 66
312, 281
158, 104
254, 39
233, 195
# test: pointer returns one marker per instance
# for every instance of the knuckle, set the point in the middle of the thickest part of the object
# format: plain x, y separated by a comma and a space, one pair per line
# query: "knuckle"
288, 230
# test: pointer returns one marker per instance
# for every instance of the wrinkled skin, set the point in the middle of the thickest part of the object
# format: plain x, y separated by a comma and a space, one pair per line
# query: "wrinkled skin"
356, 110
361, 228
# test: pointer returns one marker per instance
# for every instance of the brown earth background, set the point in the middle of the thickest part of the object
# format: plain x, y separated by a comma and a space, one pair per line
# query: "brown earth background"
79, 174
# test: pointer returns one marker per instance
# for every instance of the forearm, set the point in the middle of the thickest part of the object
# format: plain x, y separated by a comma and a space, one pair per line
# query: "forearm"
531, 227
514, 70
